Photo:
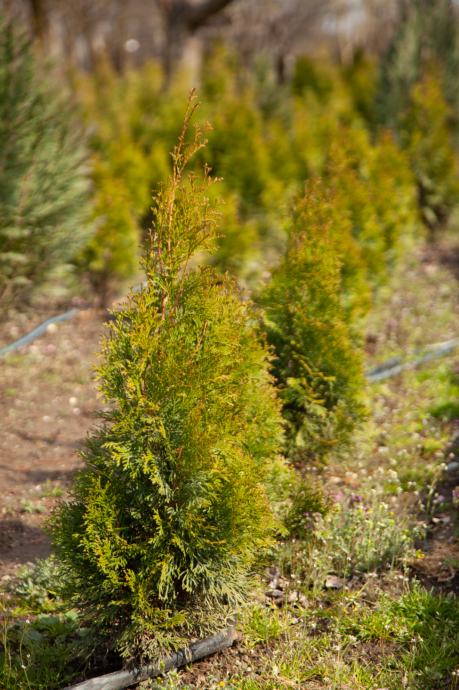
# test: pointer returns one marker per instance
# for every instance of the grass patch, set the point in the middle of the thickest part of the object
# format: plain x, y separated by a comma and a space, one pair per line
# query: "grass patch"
447, 409
44, 653
42, 646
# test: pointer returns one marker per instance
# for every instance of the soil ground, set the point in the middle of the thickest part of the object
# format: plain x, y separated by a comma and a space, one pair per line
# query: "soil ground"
48, 401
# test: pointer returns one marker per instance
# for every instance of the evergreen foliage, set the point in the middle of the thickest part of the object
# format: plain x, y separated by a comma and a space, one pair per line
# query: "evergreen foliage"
172, 507
426, 36
418, 97
309, 76
111, 256
360, 77
135, 127
393, 193
43, 185
263, 148
121, 173
426, 136
377, 192
317, 362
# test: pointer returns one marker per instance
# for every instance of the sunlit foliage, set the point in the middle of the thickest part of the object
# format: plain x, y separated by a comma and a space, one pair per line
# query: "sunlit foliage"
172, 508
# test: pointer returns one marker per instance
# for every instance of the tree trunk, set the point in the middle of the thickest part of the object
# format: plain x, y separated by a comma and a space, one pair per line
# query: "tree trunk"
39, 20
182, 19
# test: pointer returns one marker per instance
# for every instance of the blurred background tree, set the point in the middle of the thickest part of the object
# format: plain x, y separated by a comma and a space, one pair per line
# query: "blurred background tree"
426, 36
44, 191
289, 87
131, 33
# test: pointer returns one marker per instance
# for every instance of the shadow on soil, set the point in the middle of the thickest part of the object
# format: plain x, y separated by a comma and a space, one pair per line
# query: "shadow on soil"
39, 476
21, 543
450, 259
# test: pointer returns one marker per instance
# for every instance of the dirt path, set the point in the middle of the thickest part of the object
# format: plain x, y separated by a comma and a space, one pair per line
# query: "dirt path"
47, 403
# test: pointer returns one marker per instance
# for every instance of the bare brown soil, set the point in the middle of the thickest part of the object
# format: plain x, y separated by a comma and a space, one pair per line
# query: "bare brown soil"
47, 403
440, 566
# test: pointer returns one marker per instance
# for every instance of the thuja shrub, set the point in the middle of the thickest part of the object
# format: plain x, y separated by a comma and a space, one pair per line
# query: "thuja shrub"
237, 150
238, 244
377, 191
361, 79
317, 364
43, 182
426, 135
122, 178
172, 507
349, 174
393, 193
111, 256
135, 128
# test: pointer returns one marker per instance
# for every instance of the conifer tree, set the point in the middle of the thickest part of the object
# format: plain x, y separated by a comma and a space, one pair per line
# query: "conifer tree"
111, 256
121, 175
317, 363
376, 190
172, 507
426, 36
393, 192
426, 136
43, 185
419, 98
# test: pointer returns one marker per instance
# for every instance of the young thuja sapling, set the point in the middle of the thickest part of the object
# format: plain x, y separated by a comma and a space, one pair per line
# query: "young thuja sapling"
173, 507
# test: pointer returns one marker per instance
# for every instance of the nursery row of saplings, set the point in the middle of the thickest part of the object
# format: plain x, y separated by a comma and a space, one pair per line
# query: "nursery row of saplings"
219, 403
73, 206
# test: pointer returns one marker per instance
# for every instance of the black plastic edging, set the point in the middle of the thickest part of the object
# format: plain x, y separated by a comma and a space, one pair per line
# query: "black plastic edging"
124, 679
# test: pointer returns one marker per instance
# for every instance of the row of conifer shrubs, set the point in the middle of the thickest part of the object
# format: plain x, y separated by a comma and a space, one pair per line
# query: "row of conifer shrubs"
264, 144
91, 216
217, 404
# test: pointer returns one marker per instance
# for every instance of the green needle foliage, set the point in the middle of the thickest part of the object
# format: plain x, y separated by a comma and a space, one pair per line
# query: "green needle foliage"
111, 256
377, 191
418, 97
428, 141
426, 34
317, 364
172, 508
43, 186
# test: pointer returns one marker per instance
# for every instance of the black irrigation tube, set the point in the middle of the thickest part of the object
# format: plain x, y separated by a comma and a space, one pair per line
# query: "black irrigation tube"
42, 328
395, 365
392, 367
39, 330
124, 679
